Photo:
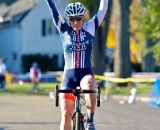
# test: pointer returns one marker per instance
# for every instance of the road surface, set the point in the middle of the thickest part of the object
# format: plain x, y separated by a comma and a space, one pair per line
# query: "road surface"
32, 112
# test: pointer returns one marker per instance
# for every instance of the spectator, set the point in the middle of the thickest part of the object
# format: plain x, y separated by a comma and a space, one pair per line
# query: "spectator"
35, 76
2, 74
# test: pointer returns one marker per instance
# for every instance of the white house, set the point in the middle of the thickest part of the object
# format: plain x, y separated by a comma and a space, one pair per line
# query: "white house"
26, 27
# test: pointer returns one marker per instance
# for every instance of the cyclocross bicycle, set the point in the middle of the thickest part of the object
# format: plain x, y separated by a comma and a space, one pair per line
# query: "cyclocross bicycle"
78, 117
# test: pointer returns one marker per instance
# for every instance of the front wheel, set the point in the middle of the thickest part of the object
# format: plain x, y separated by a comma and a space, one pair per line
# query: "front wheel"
98, 96
57, 96
78, 123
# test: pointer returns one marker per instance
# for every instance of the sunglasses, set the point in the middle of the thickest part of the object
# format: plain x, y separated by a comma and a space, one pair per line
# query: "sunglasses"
77, 18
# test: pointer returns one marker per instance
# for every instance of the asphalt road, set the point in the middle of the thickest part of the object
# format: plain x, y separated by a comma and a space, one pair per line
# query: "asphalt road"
24, 112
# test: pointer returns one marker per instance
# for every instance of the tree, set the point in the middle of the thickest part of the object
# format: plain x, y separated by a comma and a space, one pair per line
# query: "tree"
100, 39
147, 17
122, 65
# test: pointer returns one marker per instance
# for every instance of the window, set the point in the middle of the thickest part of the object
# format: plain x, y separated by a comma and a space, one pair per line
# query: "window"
47, 27
43, 27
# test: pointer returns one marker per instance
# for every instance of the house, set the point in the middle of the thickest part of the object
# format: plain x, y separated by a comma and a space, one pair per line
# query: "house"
26, 27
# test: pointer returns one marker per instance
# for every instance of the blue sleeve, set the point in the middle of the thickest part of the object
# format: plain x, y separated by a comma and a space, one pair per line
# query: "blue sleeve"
57, 19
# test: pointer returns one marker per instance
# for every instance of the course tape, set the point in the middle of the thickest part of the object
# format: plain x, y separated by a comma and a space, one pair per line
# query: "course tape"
124, 80
120, 80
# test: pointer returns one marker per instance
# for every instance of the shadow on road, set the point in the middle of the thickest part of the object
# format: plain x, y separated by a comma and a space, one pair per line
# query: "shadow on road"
27, 123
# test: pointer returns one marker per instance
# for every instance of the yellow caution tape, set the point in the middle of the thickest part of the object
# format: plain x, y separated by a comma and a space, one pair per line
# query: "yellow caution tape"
59, 79
124, 80
100, 77
120, 80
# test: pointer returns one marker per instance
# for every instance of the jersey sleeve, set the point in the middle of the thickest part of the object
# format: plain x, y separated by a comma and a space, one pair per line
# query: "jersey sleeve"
97, 19
57, 18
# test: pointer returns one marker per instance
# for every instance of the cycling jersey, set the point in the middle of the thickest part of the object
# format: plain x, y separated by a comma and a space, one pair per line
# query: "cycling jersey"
77, 45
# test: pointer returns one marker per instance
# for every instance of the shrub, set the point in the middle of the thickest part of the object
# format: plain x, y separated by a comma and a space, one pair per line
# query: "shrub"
45, 62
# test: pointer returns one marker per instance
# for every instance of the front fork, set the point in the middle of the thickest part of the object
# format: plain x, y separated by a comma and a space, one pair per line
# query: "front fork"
78, 110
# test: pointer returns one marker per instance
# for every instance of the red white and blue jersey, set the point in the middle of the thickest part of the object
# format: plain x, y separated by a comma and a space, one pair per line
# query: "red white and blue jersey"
78, 46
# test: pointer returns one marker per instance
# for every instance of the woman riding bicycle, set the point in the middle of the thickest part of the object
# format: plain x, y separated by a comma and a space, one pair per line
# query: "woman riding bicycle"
77, 38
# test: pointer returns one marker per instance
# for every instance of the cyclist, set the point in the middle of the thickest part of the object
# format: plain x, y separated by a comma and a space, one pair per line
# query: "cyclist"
77, 38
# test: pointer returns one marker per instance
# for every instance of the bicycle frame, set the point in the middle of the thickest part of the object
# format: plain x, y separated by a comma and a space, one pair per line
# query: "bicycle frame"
78, 123
77, 102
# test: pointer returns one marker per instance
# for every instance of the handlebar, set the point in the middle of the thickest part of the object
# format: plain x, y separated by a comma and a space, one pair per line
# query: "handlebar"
76, 92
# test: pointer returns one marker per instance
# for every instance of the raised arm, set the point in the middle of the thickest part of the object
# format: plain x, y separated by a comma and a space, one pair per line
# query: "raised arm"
58, 20
102, 10
98, 18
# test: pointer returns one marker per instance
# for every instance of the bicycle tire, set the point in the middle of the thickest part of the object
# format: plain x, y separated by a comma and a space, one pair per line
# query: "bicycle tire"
77, 121
57, 96
82, 125
76, 125
98, 96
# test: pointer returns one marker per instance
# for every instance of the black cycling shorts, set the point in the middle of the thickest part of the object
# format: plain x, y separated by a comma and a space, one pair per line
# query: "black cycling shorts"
72, 77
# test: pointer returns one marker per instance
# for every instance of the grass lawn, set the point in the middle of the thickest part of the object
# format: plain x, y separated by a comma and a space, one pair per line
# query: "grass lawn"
26, 88
45, 88
142, 89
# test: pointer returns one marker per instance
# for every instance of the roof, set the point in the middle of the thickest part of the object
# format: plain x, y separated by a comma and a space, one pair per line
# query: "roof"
16, 10
7, 1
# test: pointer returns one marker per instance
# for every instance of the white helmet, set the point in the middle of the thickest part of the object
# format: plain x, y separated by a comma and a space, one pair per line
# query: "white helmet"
75, 9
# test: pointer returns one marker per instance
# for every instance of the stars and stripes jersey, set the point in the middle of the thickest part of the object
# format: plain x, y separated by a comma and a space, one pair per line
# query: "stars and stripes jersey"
77, 48
78, 45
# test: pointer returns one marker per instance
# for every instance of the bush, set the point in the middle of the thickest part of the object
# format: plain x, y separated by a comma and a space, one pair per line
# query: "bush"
45, 62
137, 67
157, 69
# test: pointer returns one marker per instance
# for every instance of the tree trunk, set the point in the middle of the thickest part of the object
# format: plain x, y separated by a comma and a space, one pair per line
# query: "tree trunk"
100, 43
148, 64
122, 64
99, 53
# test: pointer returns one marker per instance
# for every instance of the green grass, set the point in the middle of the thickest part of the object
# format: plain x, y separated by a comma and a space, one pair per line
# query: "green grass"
45, 88
26, 88
142, 89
